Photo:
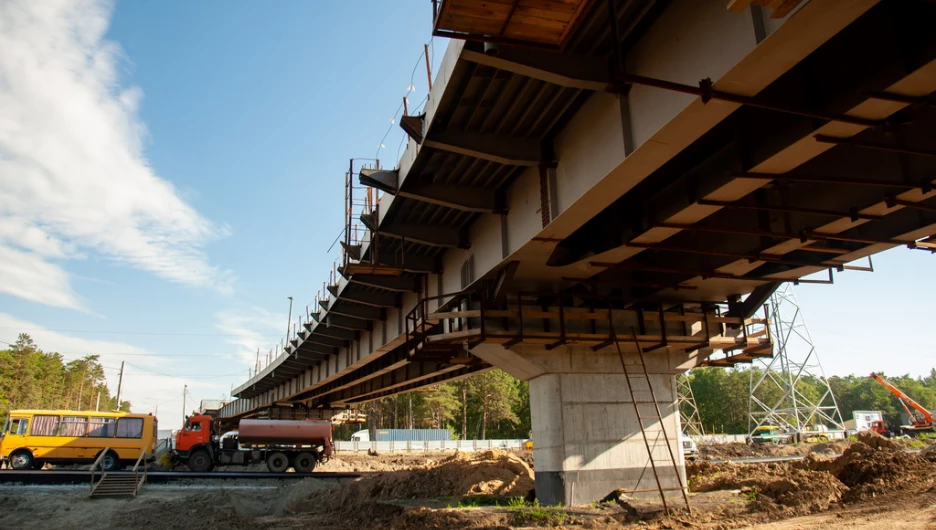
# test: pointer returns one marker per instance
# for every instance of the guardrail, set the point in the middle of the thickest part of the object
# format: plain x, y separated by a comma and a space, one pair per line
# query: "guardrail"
427, 446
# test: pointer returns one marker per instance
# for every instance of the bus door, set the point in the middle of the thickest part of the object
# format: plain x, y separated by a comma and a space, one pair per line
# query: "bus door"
14, 434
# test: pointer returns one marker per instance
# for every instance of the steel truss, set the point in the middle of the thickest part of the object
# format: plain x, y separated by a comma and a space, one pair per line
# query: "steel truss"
688, 411
780, 394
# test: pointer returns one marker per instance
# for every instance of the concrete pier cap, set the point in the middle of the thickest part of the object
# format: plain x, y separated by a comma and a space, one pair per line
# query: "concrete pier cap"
587, 440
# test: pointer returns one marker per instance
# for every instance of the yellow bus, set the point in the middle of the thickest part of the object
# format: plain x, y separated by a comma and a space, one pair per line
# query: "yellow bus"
32, 438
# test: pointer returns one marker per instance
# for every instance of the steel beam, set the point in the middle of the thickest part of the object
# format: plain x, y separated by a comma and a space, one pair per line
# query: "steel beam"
562, 69
343, 322
371, 299
433, 236
499, 149
358, 311
389, 283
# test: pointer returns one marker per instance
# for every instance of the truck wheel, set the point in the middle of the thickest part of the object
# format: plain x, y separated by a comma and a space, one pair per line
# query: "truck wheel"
277, 462
21, 460
304, 463
200, 462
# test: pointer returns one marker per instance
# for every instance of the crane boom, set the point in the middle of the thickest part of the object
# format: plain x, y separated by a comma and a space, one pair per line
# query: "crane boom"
920, 417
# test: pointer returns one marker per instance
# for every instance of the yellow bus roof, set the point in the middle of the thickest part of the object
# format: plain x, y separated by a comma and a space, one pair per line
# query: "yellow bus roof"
60, 412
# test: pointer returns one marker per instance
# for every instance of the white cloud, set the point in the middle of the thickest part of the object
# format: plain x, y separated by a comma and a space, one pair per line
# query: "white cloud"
73, 175
251, 329
148, 378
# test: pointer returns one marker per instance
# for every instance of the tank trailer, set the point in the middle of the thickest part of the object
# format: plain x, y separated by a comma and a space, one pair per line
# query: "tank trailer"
281, 444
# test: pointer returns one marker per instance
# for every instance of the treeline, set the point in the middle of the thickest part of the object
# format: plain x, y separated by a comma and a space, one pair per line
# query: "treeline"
722, 395
490, 405
33, 379
494, 405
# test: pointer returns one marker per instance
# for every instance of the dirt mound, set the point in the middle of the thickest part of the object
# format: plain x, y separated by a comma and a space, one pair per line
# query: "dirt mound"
490, 473
362, 462
771, 486
830, 448
869, 472
733, 451
876, 441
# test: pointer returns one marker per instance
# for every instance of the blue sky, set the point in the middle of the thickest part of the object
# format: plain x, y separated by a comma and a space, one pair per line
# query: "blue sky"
177, 173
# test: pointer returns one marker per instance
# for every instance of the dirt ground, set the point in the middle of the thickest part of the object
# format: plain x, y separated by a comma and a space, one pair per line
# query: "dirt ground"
872, 483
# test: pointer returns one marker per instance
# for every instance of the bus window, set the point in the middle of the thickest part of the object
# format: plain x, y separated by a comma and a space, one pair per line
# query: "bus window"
74, 426
101, 427
17, 425
130, 427
45, 425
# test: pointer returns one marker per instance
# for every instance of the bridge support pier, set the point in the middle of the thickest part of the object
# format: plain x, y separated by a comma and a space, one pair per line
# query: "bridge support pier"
587, 439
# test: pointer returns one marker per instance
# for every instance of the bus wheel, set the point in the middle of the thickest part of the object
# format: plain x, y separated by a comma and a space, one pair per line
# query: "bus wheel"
304, 462
200, 462
110, 462
21, 460
277, 462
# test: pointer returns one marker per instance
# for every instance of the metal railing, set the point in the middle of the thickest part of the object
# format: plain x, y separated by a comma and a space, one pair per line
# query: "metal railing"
136, 472
94, 468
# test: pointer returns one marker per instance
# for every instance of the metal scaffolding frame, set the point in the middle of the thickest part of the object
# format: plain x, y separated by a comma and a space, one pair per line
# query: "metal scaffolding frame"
796, 359
688, 411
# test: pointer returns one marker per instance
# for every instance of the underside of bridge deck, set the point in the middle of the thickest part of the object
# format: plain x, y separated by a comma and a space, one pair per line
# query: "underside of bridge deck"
598, 188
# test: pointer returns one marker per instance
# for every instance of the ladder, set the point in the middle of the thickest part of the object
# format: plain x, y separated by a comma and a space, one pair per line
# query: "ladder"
656, 416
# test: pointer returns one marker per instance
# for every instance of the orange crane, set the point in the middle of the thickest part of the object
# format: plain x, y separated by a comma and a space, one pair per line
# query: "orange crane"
921, 419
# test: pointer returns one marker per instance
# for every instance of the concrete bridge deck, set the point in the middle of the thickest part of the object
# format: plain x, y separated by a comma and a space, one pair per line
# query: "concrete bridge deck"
683, 173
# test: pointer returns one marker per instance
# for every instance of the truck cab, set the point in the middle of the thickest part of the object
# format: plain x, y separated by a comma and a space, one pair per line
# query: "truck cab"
689, 448
195, 443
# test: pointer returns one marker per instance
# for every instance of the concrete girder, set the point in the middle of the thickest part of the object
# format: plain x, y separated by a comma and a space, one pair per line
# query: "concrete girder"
432, 236
414, 126
463, 198
503, 150
409, 373
371, 298
562, 69
383, 364
383, 179
335, 332
388, 283
459, 373
324, 340
362, 312
317, 348
343, 322
354, 251
406, 261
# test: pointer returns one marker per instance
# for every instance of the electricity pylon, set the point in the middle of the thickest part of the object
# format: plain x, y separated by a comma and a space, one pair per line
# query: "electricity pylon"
790, 389
688, 411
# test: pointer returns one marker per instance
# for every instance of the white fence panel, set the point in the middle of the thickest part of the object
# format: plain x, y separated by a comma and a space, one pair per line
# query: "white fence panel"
424, 446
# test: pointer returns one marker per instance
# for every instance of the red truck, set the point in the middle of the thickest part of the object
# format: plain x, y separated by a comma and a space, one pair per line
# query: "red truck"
280, 443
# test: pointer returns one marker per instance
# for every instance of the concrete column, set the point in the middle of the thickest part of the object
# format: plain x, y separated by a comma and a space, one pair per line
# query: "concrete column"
587, 441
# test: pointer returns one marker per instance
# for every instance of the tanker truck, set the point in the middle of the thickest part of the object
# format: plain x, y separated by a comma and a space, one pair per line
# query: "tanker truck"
280, 443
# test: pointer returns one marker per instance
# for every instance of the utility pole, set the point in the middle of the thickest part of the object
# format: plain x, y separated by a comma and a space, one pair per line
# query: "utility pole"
98, 406
120, 383
289, 320
184, 393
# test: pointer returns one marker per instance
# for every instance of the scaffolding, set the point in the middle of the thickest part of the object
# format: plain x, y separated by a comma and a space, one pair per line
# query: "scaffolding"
688, 411
783, 386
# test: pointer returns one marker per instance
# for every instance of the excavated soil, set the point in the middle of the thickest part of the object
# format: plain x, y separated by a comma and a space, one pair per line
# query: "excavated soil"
873, 483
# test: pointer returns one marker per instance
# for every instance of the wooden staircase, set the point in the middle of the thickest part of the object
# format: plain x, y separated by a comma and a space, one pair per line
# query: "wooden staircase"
114, 484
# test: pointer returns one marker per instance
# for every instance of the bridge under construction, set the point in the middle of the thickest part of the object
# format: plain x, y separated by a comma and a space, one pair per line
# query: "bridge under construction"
599, 195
